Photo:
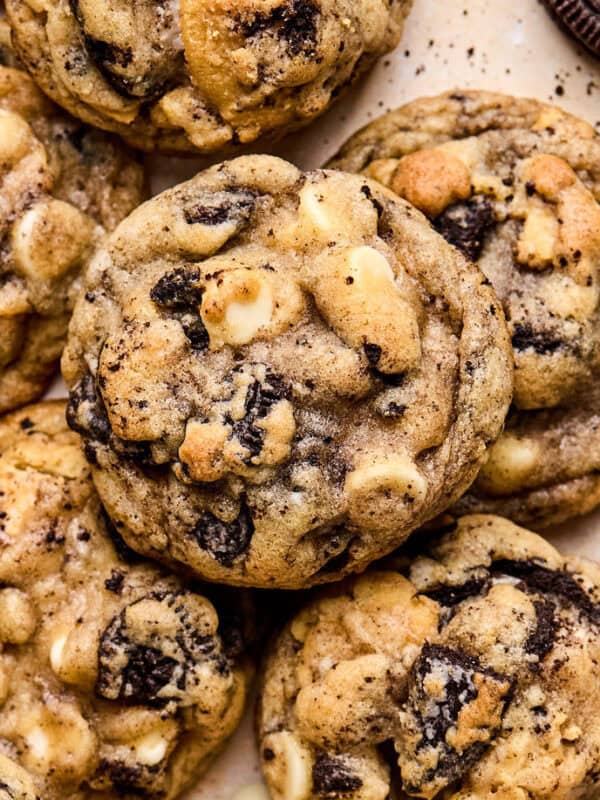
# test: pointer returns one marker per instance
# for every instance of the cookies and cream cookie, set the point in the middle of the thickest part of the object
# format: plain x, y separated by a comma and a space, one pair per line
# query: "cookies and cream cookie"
515, 185
61, 186
193, 75
473, 675
115, 679
279, 375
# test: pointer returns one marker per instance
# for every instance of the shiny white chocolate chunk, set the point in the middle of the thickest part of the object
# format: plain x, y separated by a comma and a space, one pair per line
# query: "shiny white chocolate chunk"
51, 238
290, 772
151, 749
17, 618
244, 320
16, 138
56, 653
37, 742
236, 307
539, 237
356, 291
397, 474
511, 461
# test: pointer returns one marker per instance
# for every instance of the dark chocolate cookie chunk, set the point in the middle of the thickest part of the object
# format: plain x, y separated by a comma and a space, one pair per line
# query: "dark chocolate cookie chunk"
515, 185
282, 374
581, 18
194, 75
474, 673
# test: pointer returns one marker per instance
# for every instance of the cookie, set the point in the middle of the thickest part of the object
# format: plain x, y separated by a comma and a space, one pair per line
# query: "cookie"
473, 675
515, 185
201, 76
278, 375
581, 18
62, 185
7, 57
115, 679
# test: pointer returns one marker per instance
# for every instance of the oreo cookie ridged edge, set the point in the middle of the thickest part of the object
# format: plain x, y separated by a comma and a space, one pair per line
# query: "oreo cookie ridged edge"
581, 18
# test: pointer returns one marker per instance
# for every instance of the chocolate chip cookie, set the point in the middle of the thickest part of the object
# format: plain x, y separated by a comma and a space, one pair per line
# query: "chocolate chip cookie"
115, 679
62, 185
278, 375
515, 185
192, 75
473, 674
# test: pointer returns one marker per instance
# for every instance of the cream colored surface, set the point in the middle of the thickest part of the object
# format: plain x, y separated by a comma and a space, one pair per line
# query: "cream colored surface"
516, 49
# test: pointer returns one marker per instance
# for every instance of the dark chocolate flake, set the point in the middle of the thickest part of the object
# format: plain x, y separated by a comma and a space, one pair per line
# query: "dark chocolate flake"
543, 342
225, 541
177, 289
466, 225
332, 777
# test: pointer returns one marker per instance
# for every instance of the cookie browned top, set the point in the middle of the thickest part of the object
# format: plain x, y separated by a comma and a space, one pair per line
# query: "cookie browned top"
515, 185
280, 375
61, 185
198, 75
114, 678
477, 677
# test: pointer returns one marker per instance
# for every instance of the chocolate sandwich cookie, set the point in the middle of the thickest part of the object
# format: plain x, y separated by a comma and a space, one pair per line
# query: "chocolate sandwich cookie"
581, 18
279, 375
62, 186
116, 680
474, 675
199, 76
515, 185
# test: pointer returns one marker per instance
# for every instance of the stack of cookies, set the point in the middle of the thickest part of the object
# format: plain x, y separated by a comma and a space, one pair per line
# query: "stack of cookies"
276, 378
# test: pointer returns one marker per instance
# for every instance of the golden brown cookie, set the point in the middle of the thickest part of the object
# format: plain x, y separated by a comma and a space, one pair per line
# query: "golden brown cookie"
279, 375
193, 75
115, 679
515, 185
473, 676
61, 186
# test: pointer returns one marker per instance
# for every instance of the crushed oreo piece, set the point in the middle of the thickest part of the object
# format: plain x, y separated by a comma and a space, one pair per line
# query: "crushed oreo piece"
466, 225
225, 541
217, 208
295, 22
543, 342
559, 583
86, 413
261, 396
332, 777
178, 289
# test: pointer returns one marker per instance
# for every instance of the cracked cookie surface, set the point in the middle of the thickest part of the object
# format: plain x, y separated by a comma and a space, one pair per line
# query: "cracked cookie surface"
279, 375
515, 185
61, 186
115, 679
193, 75
466, 672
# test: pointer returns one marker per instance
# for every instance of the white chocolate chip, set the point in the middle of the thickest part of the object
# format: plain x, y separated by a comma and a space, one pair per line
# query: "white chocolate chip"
151, 749
539, 238
356, 291
51, 238
37, 742
56, 652
289, 771
511, 461
236, 307
243, 320
16, 138
397, 474
17, 617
